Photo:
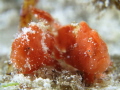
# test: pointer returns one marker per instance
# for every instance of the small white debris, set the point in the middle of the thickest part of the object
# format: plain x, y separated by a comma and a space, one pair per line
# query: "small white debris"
44, 46
46, 83
32, 23
90, 39
19, 78
27, 65
75, 45
74, 24
41, 25
24, 35
26, 30
85, 53
68, 56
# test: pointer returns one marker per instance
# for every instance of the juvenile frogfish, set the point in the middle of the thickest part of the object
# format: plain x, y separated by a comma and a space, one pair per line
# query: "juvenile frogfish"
30, 48
82, 47
46, 43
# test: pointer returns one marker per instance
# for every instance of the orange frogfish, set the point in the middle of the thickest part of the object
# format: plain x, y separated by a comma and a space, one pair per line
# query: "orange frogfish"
45, 43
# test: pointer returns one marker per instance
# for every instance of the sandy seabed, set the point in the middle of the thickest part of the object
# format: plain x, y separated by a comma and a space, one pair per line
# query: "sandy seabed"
103, 17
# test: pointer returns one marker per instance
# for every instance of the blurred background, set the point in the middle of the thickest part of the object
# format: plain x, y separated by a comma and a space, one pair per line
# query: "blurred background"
101, 15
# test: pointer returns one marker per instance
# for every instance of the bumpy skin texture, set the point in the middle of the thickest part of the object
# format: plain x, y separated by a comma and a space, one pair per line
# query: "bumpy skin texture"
82, 48
47, 42
28, 53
